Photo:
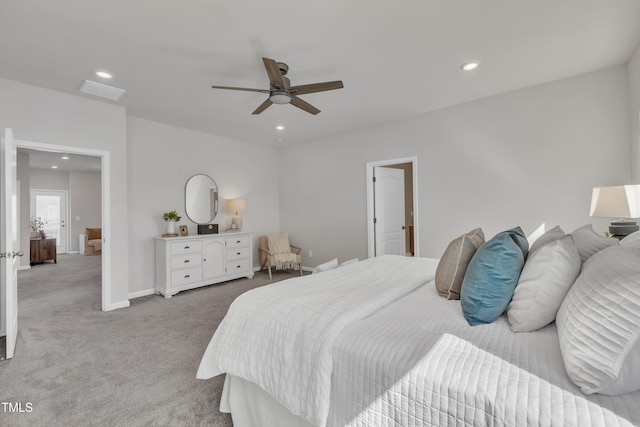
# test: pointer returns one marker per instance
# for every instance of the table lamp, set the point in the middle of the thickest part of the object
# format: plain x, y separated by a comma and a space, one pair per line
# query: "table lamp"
620, 201
236, 205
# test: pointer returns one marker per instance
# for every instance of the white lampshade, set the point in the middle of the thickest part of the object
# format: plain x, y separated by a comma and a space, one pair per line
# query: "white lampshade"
621, 201
236, 205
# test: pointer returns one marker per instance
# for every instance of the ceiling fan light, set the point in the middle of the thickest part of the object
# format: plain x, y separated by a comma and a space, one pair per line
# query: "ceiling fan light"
280, 97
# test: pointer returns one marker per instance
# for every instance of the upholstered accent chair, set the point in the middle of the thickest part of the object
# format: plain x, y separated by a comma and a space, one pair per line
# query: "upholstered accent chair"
91, 241
276, 251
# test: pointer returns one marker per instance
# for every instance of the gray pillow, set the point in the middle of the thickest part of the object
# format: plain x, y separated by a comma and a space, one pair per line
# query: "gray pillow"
551, 235
454, 262
588, 242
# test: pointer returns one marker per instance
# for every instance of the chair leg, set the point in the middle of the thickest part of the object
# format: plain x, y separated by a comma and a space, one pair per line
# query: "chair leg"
301, 269
270, 273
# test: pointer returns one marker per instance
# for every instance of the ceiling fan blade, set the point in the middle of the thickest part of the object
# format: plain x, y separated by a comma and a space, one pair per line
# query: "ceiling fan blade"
275, 76
303, 105
241, 88
263, 106
317, 87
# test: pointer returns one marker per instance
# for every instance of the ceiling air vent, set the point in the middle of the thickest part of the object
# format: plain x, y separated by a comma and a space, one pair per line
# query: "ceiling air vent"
102, 90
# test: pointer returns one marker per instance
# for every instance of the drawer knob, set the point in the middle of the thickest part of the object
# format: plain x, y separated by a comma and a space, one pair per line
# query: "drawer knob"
187, 247
186, 276
238, 253
238, 266
186, 260
237, 241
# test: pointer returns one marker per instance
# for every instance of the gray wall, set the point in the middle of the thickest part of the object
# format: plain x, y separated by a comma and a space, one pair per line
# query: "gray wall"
85, 198
85, 202
522, 158
634, 92
50, 117
161, 160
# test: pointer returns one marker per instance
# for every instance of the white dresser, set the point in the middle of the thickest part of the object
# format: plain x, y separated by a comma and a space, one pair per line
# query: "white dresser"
190, 262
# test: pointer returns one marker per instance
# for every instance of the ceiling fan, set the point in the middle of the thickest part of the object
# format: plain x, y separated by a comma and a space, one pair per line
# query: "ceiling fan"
281, 92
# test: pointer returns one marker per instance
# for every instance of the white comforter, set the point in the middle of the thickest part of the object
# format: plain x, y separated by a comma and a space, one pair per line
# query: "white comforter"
281, 337
417, 362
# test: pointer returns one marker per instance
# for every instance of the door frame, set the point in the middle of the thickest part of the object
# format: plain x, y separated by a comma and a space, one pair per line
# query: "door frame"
105, 171
371, 241
66, 229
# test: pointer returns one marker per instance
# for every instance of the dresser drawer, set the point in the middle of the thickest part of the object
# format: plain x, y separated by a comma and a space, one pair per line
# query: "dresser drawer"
187, 247
237, 253
238, 266
186, 260
237, 242
188, 275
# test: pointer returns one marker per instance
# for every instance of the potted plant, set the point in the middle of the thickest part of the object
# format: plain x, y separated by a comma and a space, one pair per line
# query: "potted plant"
37, 227
171, 218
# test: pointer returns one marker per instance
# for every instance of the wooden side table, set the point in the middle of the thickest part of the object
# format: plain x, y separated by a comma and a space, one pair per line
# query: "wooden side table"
43, 250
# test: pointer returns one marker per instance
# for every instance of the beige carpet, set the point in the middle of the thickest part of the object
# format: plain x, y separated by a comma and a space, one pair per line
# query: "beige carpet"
78, 366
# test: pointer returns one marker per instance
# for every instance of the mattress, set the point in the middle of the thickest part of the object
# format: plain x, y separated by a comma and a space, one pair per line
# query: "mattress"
417, 362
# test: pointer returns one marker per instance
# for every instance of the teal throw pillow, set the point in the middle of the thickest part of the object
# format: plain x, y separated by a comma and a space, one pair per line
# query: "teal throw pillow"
492, 276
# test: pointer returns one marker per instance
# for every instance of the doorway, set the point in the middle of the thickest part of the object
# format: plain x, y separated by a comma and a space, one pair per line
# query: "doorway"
50, 208
397, 230
103, 168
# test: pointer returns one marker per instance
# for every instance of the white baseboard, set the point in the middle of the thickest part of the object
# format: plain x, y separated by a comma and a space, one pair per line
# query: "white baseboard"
121, 304
143, 293
24, 267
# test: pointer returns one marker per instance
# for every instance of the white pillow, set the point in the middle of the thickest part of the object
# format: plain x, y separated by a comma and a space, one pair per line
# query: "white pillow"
545, 280
325, 266
632, 240
349, 261
599, 323
553, 234
588, 242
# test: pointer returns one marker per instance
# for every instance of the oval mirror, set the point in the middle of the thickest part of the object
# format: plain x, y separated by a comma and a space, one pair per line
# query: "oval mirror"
201, 199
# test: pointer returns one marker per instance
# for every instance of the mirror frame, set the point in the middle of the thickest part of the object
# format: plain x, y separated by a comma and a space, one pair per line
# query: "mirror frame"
210, 192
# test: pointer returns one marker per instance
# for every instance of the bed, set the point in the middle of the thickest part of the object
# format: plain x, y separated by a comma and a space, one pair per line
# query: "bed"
374, 344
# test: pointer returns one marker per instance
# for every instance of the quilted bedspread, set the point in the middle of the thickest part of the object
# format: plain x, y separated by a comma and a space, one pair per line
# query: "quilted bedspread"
417, 362
281, 337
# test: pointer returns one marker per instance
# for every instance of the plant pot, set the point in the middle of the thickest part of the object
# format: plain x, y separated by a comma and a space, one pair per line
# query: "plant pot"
171, 227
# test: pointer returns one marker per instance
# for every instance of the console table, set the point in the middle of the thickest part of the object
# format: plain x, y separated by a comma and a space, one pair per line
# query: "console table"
43, 250
193, 261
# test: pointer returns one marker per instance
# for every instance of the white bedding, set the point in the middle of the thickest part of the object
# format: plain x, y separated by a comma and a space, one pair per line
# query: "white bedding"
417, 362
281, 337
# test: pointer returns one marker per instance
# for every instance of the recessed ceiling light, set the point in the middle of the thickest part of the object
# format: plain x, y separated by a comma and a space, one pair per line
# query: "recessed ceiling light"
280, 127
54, 167
64, 157
104, 74
470, 66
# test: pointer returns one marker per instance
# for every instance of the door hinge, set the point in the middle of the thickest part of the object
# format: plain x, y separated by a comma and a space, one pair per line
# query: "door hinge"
374, 179
375, 220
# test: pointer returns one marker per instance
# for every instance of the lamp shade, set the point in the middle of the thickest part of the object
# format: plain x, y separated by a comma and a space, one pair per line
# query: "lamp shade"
621, 201
236, 205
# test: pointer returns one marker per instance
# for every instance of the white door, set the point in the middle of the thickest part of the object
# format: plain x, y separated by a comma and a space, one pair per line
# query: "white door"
390, 236
9, 243
50, 206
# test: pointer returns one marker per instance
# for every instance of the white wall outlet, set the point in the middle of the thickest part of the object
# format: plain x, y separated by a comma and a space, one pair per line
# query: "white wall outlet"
310, 254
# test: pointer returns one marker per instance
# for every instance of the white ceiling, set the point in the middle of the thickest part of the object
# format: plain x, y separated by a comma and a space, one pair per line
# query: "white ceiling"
39, 159
396, 58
